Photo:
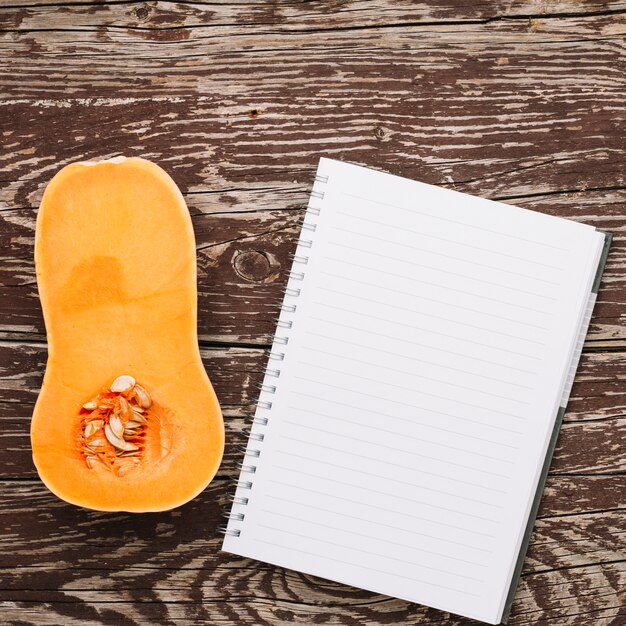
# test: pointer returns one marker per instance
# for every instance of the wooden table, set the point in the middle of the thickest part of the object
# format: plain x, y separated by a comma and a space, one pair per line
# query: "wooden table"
521, 101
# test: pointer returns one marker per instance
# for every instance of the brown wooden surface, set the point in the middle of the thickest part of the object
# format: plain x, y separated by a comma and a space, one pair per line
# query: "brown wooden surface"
514, 100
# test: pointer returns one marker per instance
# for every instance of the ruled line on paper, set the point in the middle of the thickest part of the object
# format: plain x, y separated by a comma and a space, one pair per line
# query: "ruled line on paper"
403, 419
397, 480
410, 468
447, 219
411, 358
554, 283
412, 375
405, 436
472, 294
386, 509
411, 531
370, 552
366, 536
373, 569
407, 404
454, 241
425, 282
480, 407
387, 320
417, 343
448, 304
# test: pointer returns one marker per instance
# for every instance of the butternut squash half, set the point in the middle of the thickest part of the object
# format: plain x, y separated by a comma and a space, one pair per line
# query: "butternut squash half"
127, 419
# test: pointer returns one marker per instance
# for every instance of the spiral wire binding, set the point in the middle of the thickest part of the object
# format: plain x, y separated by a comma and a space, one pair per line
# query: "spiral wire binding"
260, 422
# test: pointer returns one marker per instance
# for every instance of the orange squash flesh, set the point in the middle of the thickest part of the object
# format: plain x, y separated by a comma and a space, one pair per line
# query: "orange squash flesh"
116, 269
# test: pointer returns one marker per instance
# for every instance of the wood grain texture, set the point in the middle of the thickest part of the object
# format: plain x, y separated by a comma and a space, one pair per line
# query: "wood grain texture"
518, 101
164, 570
243, 255
590, 442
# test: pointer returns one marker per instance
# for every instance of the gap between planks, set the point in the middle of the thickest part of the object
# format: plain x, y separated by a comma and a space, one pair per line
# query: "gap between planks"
265, 343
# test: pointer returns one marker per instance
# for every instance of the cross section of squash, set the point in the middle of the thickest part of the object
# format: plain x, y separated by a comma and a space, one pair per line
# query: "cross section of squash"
116, 269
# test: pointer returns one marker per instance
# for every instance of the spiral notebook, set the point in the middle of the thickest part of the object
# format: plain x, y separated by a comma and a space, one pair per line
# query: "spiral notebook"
424, 355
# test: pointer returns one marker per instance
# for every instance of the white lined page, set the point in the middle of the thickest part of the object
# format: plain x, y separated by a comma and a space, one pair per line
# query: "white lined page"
425, 361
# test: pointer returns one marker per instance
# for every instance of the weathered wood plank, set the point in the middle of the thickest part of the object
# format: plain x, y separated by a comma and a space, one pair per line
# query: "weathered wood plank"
590, 442
169, 568
457, 136
257, 612
182, 27
243, 257
570, 495
286, 14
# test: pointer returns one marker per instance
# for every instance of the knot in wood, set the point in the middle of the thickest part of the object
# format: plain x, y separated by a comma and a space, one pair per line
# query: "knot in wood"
253, 266
380, 132
142, 12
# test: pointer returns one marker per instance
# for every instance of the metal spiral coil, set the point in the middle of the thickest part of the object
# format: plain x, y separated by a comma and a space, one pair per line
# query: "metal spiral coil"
266, 388
239, 517
249, 451
261, 421
241, 501
230, 532
246, 469
296, 258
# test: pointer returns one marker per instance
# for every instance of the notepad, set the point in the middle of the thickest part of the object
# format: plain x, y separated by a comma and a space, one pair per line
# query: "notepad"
423, 358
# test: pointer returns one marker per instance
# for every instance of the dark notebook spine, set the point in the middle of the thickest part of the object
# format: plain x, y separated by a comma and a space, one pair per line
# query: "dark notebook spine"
548, 459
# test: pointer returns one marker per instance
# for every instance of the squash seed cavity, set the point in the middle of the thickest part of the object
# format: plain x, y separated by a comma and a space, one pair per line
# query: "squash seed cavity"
114, 425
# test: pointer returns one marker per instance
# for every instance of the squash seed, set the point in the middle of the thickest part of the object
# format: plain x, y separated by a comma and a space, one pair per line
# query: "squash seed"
121, 412
131, 454
96, 445
143, 398
118, 442
138, 417
122, 470
116, 425
122, 384
92, 427
125, 408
